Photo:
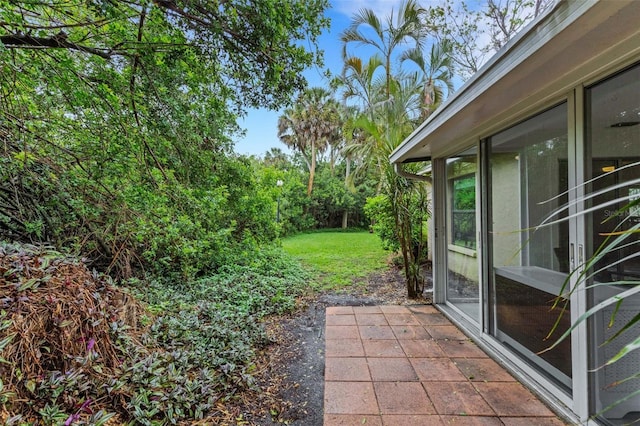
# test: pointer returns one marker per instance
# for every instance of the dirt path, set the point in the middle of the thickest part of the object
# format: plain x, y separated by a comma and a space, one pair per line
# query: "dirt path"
292, 370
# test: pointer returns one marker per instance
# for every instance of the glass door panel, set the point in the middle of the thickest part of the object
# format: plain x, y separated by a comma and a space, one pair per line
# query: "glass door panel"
528, 182
613, 170
463, 288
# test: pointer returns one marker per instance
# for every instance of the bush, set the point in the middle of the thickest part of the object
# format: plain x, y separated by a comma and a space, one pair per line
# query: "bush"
197, 349
379, 211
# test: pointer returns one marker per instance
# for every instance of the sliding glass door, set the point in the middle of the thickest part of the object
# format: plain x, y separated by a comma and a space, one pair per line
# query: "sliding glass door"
612, 163
528, 178
547, 196
463, 284
584, 190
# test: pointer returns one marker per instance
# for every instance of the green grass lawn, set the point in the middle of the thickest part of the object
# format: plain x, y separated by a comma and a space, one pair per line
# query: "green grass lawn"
338, 257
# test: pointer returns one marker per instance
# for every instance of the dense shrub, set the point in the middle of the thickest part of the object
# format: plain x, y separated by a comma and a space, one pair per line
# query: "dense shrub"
330, 199
196, 350
379, 211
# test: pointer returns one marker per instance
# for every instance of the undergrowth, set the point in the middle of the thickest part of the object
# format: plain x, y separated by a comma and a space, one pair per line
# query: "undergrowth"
177, 361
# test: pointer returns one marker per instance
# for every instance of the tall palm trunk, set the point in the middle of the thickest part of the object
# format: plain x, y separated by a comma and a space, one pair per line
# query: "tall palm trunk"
312, 168
345, 213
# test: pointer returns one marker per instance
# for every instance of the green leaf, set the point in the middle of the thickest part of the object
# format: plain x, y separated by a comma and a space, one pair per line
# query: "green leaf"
4, 342
29, 284
31, 386
632, 346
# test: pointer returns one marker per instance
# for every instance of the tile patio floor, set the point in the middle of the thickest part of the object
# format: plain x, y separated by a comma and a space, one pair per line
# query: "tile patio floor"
409, 366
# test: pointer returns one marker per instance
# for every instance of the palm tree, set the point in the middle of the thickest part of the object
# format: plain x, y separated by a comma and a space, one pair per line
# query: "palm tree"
391, 109
310, 126
438, 74
275, 157
358, 80
388, 38
379, 136
383, 127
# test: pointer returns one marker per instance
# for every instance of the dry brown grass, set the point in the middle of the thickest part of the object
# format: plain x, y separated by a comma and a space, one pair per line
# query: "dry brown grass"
57, 317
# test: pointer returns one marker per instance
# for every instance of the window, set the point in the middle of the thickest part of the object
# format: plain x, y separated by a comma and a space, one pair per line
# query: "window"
463, 221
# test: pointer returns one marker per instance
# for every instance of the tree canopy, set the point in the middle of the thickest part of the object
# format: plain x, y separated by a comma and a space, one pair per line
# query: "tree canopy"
116, 121
252, 47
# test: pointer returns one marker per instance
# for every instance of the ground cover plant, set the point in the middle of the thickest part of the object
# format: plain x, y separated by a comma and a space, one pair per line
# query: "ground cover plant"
337, 258
74, 349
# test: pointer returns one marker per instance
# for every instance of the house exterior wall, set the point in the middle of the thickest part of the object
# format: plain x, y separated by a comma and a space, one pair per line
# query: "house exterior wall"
558, 60
459, 262
505, 188
515, 190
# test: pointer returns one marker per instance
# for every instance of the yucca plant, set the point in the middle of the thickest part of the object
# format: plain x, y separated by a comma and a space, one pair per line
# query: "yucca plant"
616, 242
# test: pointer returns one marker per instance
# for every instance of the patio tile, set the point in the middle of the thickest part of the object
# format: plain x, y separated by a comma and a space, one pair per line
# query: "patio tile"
512, 399
529, 421
402, 319
422, 348
384, 368
457, 398
446, 332
343, 348
423, 309
461, 349
472, 421
376, 332
405, 332
394, 309
339, 310
432, 319
367, 310
352, 420
436, 369
371, 319
382, 348
341, 332
483, 370
346, 369
411, 420
350, 398
391, 370
402, 398
341, 320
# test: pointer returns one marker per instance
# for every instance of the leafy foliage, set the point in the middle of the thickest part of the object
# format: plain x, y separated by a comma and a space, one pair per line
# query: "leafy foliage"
117, 118
379, 211
207, 332
327, 204
197, 348
57, 340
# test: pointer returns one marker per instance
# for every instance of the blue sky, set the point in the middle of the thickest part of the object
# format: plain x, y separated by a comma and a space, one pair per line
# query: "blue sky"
261, 125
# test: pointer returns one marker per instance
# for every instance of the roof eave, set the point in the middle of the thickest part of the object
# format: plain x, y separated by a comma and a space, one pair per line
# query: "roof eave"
521, 56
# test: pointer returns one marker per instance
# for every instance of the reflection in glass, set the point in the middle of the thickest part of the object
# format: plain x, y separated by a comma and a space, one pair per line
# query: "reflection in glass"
463, 288
613, 162
528, 170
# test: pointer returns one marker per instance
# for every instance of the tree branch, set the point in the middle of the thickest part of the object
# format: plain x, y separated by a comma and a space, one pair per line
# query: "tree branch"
58, 41
132, 87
